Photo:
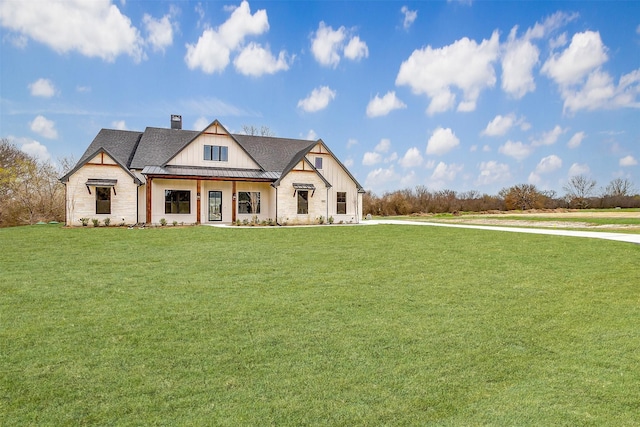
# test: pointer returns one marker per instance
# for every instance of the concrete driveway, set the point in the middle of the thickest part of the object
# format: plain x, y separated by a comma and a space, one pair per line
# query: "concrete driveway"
621, 237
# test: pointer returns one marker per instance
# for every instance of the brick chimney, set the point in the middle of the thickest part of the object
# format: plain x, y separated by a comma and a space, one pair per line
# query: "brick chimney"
176, 121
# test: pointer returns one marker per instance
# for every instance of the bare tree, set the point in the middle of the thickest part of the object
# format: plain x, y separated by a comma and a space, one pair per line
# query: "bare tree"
578, 191
254, 131
523, 197
619, 187
29, 189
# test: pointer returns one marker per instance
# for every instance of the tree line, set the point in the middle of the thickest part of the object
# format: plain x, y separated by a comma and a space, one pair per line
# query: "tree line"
580, 192
30, 190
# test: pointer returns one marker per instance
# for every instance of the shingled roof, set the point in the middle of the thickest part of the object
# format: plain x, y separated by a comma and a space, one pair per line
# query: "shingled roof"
273, 154
155, 147
119, 143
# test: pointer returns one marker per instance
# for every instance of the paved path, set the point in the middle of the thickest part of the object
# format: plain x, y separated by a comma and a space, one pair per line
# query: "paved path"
621, 237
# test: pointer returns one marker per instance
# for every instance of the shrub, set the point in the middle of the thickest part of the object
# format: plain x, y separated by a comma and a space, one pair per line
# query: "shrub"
107, 221
84, 221
96, 222
330, 220
163, 222
175, 223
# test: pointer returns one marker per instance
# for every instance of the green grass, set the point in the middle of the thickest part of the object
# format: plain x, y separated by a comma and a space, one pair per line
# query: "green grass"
375, 325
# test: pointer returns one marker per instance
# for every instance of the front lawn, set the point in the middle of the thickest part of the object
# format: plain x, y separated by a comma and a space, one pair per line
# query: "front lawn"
333, 325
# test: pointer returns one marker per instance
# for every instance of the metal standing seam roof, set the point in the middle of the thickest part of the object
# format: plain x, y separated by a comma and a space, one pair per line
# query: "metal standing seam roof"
211, 172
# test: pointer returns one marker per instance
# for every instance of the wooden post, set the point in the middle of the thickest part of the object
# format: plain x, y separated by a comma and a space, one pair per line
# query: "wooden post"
198, 197
148, 200
234, 202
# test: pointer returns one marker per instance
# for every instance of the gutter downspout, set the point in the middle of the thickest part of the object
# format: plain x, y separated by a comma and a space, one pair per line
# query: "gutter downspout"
327, 217
277, 205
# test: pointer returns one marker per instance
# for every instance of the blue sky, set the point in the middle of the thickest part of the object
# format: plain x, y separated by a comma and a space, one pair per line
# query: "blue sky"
460, 95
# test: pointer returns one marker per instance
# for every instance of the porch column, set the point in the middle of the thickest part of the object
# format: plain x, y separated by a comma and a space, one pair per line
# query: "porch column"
198, 213
234, 197
149, 200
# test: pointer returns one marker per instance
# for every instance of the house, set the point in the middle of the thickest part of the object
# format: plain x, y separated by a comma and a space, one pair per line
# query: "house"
211, 176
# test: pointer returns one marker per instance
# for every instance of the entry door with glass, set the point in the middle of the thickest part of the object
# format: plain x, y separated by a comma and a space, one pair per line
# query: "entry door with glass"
215, 205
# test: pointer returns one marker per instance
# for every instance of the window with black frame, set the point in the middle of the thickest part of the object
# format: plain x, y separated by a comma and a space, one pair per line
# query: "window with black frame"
249, 202
341, 198
303, 202
216, 153
177, 201
103, 200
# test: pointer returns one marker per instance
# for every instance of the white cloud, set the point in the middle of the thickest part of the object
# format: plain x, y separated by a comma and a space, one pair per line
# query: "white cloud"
583, 84
550, 137
93, 28
327, 44
371, 158
445, 173
254, 60
517, 150
409, 180
119, 124
409, 17
628, 161
464, 64
201, 123
548, 164
348, 163
499, 126
579, 169
36, 150
585, 53
318, 100
492, 172
412, 158
351, 142
599, 92
159, 31
442, 141
383, 106
381, 178
44, 127
43, 88
212, 51
518, 60
311, 135
576, 140
356, 49
383, 146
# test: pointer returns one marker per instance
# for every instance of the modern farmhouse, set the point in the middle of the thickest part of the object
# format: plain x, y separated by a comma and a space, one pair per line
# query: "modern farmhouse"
210, 176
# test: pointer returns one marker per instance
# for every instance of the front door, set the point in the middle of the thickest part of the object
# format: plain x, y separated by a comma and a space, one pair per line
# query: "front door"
215, 205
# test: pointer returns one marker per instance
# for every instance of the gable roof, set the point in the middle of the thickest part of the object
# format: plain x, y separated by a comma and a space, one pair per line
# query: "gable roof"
273, 154
120, 145
157, 146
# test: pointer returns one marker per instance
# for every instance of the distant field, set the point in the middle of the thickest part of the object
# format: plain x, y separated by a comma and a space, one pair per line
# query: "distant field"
333, 325
623, 220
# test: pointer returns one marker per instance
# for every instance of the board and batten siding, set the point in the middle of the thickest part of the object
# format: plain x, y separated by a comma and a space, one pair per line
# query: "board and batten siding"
81, 204
267, 200
340, 181
158, 186
193, 154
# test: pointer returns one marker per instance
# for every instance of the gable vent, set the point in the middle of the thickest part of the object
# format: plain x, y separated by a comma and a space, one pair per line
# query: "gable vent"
176, 121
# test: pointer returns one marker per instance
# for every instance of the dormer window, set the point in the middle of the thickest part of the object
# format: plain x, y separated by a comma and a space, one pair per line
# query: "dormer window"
318, 163
216, 153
